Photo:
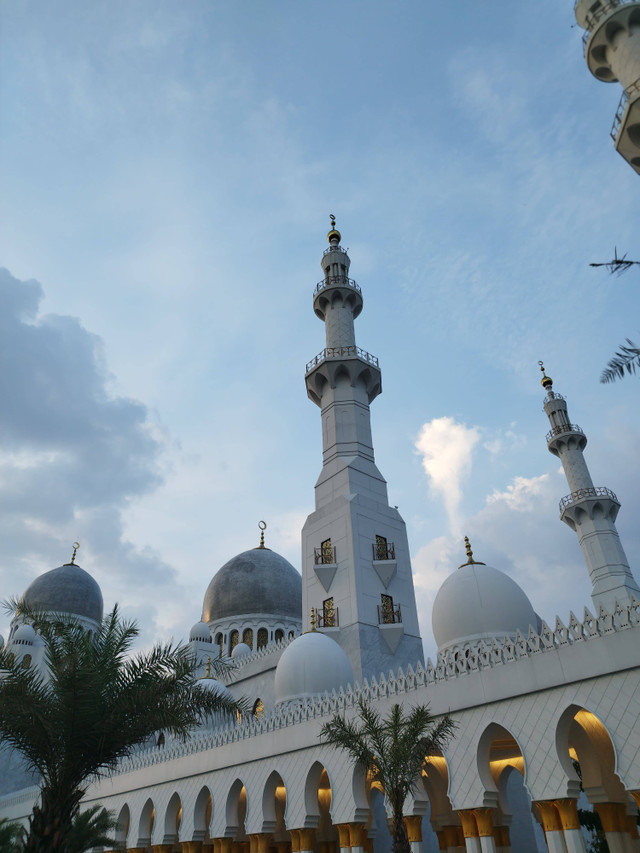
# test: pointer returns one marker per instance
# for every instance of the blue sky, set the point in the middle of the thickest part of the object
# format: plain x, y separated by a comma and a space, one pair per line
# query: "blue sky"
168, 170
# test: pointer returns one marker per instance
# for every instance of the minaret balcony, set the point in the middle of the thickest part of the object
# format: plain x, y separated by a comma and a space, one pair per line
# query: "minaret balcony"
583, 502
325, 555
334, 249
339, 353
383, 551
327, 618
563, 429
337, 281
625, 131
389, 615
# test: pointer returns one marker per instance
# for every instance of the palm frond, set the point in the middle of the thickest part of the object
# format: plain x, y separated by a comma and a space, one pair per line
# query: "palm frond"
626, 360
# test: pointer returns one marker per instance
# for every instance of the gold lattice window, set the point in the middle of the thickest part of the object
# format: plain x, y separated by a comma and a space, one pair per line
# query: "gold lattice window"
263, 637
326, 551
388, 615
234, 639
247, 637
381, 548
258, 709
328, 613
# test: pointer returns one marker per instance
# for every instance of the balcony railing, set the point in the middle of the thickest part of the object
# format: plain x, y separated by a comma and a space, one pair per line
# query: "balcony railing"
595, 492
552, 396
327, 618
389, 615
334, 249
324, 555
598, 15
330, 353
383, 551
562, 429
337, 281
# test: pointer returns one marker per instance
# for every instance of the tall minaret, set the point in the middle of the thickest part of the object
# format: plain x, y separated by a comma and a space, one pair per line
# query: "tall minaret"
355, 554
612, 50
589, 510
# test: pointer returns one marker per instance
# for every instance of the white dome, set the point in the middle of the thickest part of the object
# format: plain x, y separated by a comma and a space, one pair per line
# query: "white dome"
313, 663
216, 687
240, 650
200, 633
478, 602
25, 635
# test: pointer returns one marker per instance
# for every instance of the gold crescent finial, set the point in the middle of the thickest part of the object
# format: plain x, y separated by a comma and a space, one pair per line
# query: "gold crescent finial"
312, 619
76, 545
207, 673
546, 381
263, 526
334, 234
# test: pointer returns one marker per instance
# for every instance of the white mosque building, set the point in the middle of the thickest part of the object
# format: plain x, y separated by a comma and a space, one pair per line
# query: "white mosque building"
535, 701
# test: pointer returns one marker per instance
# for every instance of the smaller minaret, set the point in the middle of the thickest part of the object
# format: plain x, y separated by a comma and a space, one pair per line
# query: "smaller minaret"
589, 510
612, 51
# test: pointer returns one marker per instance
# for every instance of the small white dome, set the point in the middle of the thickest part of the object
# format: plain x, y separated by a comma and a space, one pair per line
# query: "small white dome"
240, 650
478, 602
216, 687
24, 635
312, 664
200, 633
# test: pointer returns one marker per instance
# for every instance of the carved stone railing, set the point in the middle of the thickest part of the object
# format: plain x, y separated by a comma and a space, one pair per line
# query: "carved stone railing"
330, 353
552, 396
337, 281
450, 664
595, 492
562, 429
334, 249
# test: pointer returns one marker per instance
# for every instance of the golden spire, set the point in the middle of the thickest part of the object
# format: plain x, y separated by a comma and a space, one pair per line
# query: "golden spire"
76, 545
546, 381
334, 234
263, 526
207, 673
470, 560
312, 619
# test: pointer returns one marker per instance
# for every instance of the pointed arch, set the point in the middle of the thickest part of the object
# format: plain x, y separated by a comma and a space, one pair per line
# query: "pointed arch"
146, 823
274, 806
172, 820
236, 810
122, 828
202, 815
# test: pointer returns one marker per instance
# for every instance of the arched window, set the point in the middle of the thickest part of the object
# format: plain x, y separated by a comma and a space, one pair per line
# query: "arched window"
161, 739
234, 637
291, 635
279, 635
258, 709
247, 637
219, 641
26, 661
263, 638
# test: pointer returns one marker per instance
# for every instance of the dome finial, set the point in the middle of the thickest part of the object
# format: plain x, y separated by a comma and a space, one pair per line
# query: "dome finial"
312, 619
470, 560
546, 381
334, 236
207, 672
76, 545
263, 526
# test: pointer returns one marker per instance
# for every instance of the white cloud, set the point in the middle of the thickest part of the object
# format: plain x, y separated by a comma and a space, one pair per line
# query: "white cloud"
446, 448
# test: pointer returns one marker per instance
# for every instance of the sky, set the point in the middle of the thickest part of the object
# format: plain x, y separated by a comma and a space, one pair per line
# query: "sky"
168, 170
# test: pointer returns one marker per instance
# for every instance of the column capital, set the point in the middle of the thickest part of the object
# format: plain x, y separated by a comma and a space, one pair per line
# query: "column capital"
568, 811
636, 797
469, 825
343, 834
295, 840
550, 816
484, 821
307, 839
357, 834
413, 824
612, 815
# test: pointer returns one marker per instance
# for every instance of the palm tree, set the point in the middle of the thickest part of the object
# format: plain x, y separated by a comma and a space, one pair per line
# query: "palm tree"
393, 750
91, 705
11, 834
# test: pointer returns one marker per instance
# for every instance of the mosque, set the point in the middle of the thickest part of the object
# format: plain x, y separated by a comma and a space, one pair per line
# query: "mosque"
548, 712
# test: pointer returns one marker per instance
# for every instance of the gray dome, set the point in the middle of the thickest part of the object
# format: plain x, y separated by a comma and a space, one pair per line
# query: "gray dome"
257, 581
67, 589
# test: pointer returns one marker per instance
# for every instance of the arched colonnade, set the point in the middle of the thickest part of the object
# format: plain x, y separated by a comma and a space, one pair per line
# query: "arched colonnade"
478, 797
